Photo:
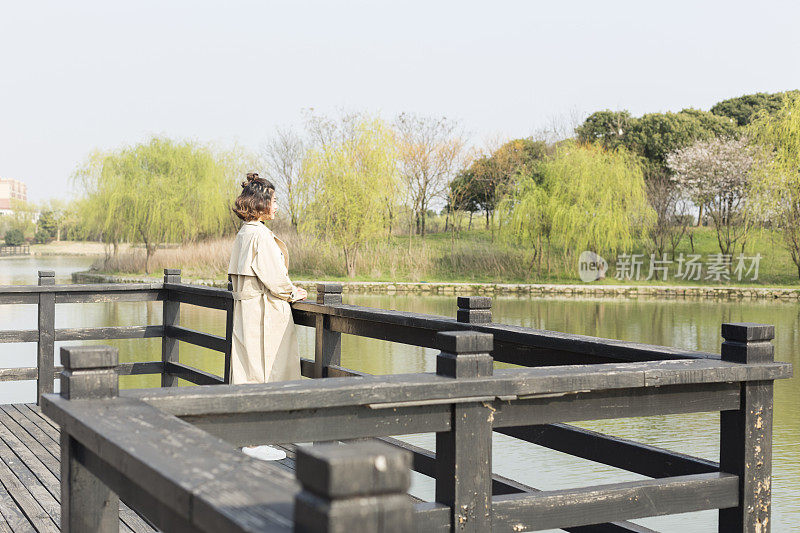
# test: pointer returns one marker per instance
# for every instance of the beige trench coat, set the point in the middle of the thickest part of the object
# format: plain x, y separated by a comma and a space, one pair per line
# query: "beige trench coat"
264, 337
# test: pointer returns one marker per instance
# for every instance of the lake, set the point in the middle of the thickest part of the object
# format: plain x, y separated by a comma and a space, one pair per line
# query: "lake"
689, 324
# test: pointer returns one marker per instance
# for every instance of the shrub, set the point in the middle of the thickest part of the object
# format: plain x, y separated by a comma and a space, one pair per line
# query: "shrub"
14, 237
42, 237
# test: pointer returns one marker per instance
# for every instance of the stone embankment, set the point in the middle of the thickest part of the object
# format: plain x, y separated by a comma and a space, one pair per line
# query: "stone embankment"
498, 289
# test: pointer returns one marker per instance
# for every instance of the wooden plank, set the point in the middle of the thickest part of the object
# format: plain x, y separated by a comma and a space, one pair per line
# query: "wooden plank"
45, 349
108, 295
135, 452
746, 431
229, 339
464, 467
311, 425
78, 287
424, 462
193, 375
22, 335
544, 383
625, 403
113, 332
18, 374
33, 511
398, 326
30, 472
201, 300
37, 417
432, 517
44, 448
198, 338
327, 345
140, 367
631, 500
18, 298
12, 514
200, 290
621, 453
171, 317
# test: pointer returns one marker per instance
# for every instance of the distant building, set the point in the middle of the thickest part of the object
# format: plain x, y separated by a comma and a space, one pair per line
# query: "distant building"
11, 190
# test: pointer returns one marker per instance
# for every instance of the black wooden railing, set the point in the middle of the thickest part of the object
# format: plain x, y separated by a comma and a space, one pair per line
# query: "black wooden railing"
46, 295
164, 451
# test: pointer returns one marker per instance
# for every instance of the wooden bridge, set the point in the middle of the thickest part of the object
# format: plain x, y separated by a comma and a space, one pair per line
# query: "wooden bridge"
170, 453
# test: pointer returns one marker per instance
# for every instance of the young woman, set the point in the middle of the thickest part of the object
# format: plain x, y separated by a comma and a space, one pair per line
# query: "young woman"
264, 337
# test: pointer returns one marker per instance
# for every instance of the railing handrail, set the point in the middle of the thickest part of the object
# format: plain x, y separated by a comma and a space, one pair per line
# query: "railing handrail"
521, 335
407, 389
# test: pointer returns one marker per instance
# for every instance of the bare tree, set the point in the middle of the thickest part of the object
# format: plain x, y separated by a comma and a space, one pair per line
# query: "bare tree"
429, 152
672, 211
283, 158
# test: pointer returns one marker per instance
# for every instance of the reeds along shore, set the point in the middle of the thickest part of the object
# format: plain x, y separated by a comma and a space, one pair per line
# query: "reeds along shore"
309, 256
472, 256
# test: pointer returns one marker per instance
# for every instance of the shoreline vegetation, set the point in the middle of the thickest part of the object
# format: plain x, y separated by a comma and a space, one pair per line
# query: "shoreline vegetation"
472, 264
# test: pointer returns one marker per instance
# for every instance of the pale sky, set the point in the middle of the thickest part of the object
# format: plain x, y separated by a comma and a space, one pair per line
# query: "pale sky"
81, 75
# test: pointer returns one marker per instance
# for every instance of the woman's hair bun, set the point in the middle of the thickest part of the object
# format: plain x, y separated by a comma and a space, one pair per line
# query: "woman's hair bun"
252, 177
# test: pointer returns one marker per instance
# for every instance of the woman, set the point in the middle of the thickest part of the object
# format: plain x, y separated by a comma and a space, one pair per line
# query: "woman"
264, 337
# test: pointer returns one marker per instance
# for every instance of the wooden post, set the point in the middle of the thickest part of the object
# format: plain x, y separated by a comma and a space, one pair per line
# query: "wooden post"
170, 347
746, 433
464, 454
87, 504
47, 332
474, 309
228, 335
328, 345
353, 488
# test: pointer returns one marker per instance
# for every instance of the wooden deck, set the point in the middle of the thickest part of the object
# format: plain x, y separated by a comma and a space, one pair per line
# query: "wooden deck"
30, 489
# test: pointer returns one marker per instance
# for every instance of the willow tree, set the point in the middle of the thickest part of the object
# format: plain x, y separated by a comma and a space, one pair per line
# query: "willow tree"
584, 197
355, 175
776, 179
156, 192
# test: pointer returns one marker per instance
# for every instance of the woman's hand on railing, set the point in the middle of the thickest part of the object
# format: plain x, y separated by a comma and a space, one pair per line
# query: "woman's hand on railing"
302, 294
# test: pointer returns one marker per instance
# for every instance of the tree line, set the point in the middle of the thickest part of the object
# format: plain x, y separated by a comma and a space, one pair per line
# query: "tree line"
619, 181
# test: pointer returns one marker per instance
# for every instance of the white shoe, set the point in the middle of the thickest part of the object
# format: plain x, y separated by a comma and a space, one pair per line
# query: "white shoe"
265, 453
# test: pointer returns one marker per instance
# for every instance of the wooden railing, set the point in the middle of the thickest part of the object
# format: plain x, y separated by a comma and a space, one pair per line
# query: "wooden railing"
46, 295
22, 249
164, 450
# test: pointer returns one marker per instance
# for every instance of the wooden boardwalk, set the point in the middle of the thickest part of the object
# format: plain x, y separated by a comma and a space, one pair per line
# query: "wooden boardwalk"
30, 490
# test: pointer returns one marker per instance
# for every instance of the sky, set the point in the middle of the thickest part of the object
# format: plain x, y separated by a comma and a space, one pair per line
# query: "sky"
82, 75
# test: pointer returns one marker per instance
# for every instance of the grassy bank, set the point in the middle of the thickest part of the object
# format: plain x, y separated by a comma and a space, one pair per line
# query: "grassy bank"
473, 257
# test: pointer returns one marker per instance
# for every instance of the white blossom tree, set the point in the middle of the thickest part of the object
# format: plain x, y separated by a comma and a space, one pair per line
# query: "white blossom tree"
715, 174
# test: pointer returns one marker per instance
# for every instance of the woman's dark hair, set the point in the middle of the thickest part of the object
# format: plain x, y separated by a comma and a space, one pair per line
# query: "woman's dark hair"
255, 198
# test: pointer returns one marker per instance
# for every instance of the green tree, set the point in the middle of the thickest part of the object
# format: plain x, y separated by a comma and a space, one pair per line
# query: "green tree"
609, 128
156, 192
489, 178
776, 181
743, 109
47, 224
589, 198
655, 135
354, 175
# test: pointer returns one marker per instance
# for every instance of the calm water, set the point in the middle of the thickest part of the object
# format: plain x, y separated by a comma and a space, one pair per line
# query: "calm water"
690, 324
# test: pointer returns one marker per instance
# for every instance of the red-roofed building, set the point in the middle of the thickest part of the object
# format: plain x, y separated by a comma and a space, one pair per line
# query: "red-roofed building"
11, 190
